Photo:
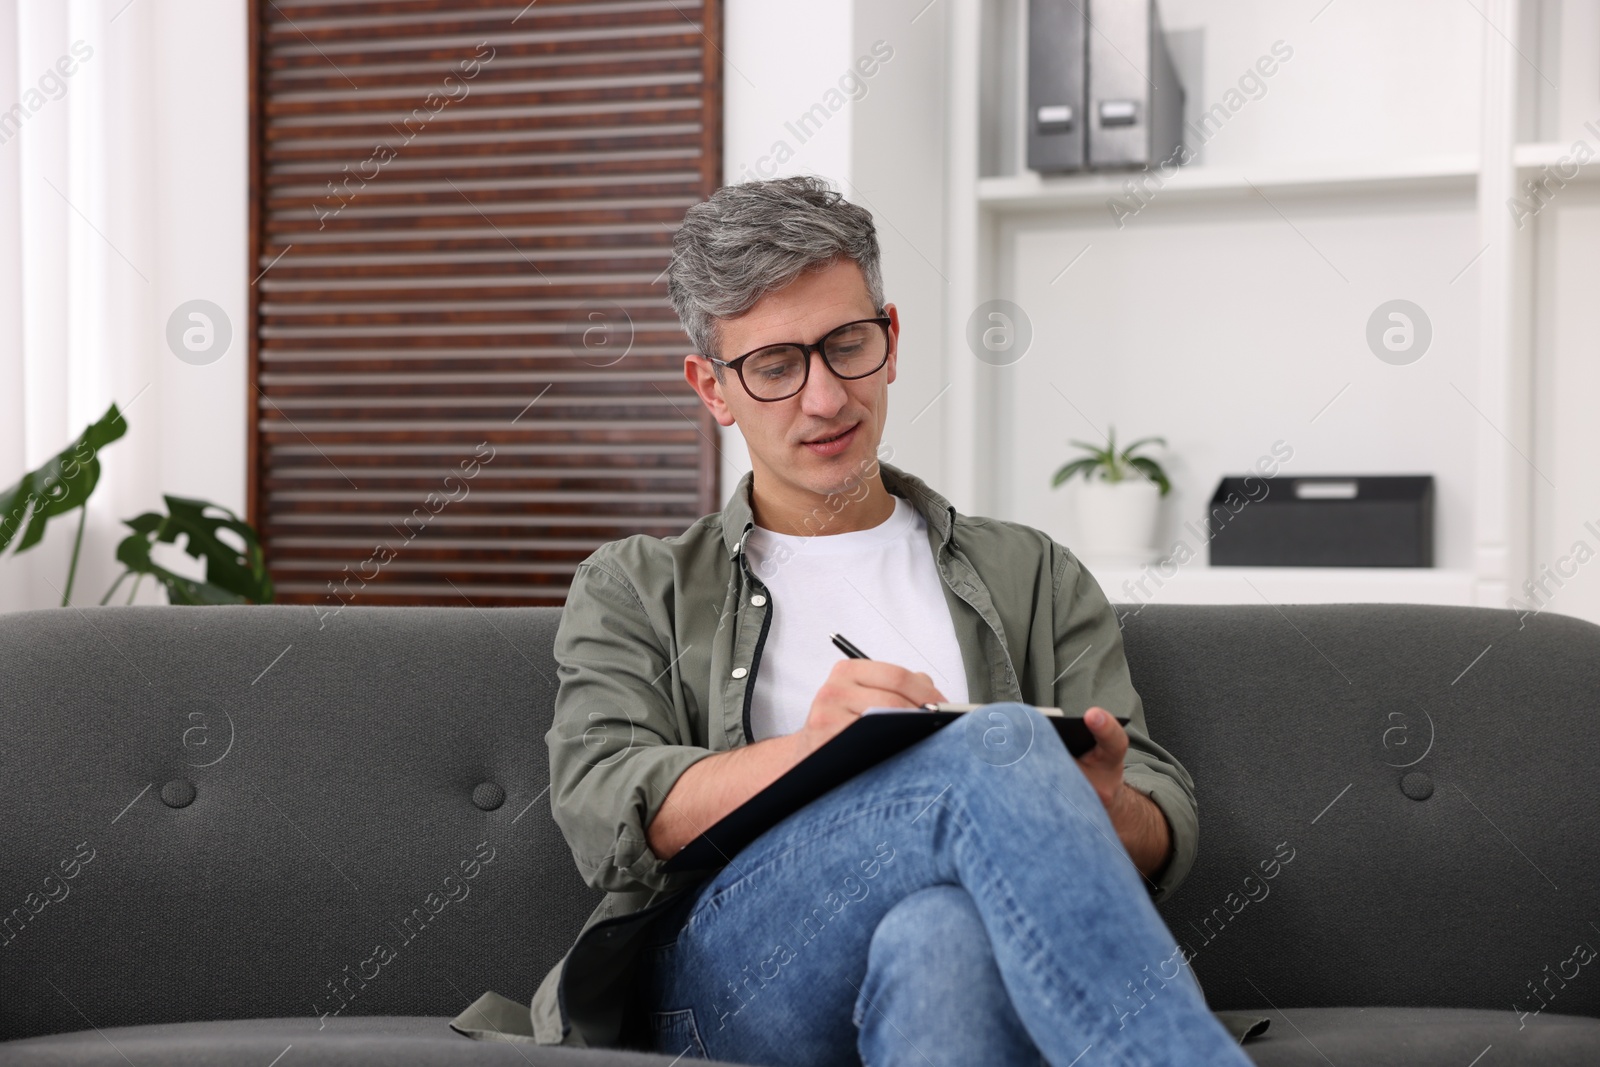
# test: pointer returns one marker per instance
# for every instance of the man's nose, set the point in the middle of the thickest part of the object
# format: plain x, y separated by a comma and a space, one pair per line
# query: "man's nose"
824, 394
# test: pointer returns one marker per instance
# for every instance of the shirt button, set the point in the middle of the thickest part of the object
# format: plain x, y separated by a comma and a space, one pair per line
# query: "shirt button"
739, 672
758, 600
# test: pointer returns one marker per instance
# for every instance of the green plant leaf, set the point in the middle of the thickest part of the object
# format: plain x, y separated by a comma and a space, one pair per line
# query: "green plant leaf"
1094, 450
1115, 465
1083, 466
1127, 452
1153, 471
233, 575
62, 484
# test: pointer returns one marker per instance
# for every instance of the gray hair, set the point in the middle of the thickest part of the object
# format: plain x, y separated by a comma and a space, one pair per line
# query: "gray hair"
755, 237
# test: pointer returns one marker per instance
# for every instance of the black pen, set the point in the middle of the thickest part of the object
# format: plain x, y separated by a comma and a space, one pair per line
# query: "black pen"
847, 648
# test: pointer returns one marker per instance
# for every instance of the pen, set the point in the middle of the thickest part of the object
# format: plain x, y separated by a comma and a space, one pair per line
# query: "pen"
847, 648
855, 653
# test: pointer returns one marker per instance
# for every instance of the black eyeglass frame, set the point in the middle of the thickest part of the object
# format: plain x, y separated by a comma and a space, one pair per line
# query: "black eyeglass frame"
737, 363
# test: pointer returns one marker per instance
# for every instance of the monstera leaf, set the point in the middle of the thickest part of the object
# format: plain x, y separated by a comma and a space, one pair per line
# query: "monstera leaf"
58, 487
233, 575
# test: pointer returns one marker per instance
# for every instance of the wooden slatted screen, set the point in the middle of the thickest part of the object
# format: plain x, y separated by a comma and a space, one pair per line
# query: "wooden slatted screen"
465, 374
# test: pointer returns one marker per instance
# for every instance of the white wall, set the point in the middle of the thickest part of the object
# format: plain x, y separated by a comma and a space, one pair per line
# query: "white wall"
1567, 442
898, 173
1369, 79
781, 60
1565, 262
883, 148
201, 197
148, 149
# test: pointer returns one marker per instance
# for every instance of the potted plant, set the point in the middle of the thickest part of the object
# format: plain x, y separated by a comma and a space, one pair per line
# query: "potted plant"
1116, 506
236, 570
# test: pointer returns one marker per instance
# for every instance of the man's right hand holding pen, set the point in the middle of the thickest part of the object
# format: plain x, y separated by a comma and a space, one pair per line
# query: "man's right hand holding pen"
719, 783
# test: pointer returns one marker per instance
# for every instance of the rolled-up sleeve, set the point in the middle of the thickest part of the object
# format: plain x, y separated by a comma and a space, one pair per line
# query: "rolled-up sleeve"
1095, 672
616, 741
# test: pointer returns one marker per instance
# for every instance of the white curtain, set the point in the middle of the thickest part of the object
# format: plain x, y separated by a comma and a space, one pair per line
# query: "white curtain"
123, 171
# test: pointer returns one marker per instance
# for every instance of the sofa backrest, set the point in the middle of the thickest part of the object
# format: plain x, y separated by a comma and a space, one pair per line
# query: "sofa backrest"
243, 815
1399, 805
250, 812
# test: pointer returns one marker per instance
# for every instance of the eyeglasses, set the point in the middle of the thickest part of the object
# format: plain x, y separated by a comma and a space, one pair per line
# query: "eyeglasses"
777, 372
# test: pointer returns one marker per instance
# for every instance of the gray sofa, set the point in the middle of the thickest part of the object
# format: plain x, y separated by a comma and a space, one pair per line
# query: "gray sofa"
235, 831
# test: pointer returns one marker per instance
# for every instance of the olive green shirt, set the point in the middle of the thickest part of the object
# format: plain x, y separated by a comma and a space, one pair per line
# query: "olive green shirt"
657, 654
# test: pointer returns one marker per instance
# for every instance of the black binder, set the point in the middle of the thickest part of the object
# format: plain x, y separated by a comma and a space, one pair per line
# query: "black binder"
870, 740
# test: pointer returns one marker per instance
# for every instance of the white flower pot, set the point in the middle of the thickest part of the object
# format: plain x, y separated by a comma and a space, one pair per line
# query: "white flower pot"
1115, 521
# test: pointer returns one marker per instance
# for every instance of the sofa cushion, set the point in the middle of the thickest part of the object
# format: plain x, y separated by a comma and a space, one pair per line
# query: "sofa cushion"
1312, 1037
1425, 1037
348, 1041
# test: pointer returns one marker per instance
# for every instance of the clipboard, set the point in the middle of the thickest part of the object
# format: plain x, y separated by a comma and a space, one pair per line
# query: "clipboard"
875, 736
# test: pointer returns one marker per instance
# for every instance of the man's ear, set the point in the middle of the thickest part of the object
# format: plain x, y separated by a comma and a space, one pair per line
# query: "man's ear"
702, 378
894, 339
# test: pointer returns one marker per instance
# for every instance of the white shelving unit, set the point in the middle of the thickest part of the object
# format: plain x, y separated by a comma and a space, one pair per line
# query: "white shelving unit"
1030, 191
1199, 584
998, 212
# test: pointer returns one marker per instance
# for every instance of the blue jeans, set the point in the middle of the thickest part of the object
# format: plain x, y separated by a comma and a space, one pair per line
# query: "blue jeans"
966, 901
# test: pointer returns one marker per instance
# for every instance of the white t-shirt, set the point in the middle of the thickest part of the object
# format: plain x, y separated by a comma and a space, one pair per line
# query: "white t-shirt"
879, 588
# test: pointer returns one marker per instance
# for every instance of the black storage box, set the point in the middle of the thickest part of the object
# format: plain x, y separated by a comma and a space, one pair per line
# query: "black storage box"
1322, 521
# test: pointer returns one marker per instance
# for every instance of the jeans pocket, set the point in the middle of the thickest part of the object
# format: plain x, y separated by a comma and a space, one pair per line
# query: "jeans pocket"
676, 1033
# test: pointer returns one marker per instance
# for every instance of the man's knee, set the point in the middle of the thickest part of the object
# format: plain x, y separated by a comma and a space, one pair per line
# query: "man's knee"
1006, 735
1000, 739
1016, 760
1005, 756
929, 948
933, 929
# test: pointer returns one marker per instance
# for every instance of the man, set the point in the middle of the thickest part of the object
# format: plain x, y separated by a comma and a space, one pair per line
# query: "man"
981, 897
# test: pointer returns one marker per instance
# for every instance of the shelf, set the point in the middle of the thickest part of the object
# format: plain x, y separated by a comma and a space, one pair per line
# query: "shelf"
1031, 191
1551, 154
1197, 583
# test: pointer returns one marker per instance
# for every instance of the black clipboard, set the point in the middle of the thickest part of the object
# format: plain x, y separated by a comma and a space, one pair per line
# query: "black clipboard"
870, 740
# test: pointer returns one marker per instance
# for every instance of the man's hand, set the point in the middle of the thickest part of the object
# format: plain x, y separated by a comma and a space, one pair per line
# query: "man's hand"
719, 783
857, 684
1140, 824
